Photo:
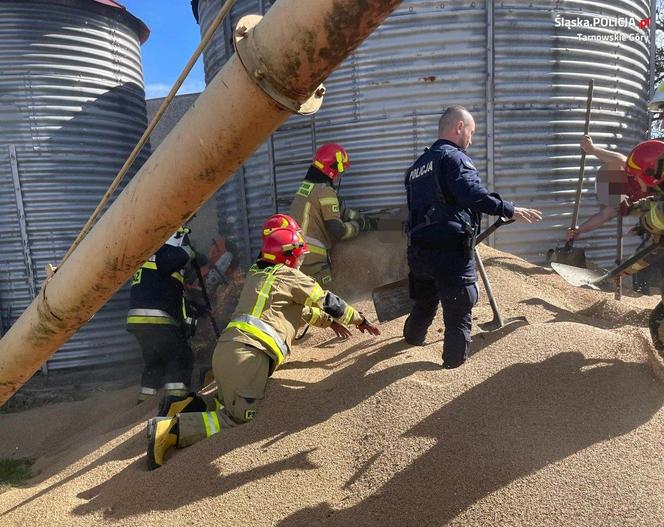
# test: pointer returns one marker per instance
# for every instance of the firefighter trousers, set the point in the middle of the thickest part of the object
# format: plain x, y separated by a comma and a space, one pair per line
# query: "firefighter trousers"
241, 372
167, 357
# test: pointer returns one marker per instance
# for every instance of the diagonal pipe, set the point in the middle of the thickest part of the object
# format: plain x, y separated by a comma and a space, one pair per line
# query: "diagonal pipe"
297, 45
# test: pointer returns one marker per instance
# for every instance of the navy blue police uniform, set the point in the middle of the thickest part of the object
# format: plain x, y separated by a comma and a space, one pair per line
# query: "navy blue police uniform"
446, 201
156, 318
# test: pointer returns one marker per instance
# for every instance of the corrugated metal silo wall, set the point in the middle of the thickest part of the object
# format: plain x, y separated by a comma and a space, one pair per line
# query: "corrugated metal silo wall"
542, 70
248, 196
72, 105
510, 65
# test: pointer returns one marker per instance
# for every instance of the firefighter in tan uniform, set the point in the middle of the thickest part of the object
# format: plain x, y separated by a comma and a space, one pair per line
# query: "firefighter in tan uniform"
317, 209
642, 163
275, 300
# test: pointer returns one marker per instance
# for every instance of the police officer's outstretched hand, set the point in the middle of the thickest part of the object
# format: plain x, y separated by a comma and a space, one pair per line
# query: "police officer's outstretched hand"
341, 331
527, 215
365, 325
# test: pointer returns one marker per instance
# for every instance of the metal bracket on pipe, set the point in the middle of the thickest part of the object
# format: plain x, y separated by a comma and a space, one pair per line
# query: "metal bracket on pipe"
261, 75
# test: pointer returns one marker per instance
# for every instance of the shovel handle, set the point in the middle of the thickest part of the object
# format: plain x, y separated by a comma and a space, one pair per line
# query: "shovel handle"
582, 168
493, 228
487, 286
618, 270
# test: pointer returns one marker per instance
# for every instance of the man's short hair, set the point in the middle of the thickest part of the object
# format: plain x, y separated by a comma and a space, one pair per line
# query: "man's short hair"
451, 116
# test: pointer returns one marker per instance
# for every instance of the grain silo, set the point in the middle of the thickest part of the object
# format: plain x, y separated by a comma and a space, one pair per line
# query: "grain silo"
521, 67
72, 106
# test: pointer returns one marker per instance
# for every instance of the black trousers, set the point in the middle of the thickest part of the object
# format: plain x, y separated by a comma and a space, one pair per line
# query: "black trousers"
166, 353
432, 281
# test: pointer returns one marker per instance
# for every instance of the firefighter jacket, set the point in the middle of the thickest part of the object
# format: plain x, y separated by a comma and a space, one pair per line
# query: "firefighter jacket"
317, 209
274, 302
446, 198
650, 213
157, 289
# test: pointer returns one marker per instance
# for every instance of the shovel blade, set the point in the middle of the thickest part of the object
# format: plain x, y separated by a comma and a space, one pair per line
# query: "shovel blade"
495, 333
494, 325
578, 277
392, 300
574, 256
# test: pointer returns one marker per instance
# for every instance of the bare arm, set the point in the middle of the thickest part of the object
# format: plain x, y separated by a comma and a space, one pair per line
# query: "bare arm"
592, 223
612, 160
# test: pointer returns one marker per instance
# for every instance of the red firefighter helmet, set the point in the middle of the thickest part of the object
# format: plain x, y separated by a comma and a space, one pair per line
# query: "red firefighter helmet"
283, 246
331, 159
642, 162
279, 221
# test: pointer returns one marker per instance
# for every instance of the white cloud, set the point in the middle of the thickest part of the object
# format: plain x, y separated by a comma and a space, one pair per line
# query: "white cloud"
157, 90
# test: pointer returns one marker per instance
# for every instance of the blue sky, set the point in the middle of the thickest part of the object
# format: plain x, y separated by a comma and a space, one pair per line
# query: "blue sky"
174, 35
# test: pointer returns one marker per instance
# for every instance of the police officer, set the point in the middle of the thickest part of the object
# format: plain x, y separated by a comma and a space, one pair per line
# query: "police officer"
157, 318
446, 200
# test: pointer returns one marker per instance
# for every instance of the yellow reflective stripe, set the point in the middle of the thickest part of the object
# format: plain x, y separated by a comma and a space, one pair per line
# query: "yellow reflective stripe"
317, 250
260, 335
315, 315
305, 189
264, 293
211, 422
340, 162
632, 164
152, 265
655, 221
329, 201
348, 315
318, 164
151, 320
316, 294
305, 217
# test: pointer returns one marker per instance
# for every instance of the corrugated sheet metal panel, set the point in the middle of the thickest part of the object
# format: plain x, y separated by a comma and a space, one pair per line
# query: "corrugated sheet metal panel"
247, 198
383, 103
409, 58
73, 105
221, 46
538, 129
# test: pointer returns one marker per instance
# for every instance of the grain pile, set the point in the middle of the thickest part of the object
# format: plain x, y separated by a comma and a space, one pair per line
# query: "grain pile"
556, 423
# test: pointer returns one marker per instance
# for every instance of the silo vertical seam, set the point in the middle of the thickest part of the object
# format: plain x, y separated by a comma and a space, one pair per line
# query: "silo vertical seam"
489, 103
653, 47
20, 210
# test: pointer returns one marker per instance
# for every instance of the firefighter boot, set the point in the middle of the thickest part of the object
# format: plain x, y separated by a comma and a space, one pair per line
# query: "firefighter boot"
173, 404
162, 435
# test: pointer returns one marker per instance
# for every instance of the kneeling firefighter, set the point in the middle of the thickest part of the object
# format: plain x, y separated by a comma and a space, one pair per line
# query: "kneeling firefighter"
276, 299
158, 319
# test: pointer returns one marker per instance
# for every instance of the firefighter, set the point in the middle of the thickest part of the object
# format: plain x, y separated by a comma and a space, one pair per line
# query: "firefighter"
642, 163
279, 221
158, 319
324, 220
446, 201
275, 300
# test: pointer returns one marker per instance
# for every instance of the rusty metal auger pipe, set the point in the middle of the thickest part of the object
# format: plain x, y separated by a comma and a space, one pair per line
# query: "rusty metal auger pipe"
283, 61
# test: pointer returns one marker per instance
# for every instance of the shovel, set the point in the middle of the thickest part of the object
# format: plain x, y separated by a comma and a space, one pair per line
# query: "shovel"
594, 277
568, 254
498, 323
393, 300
